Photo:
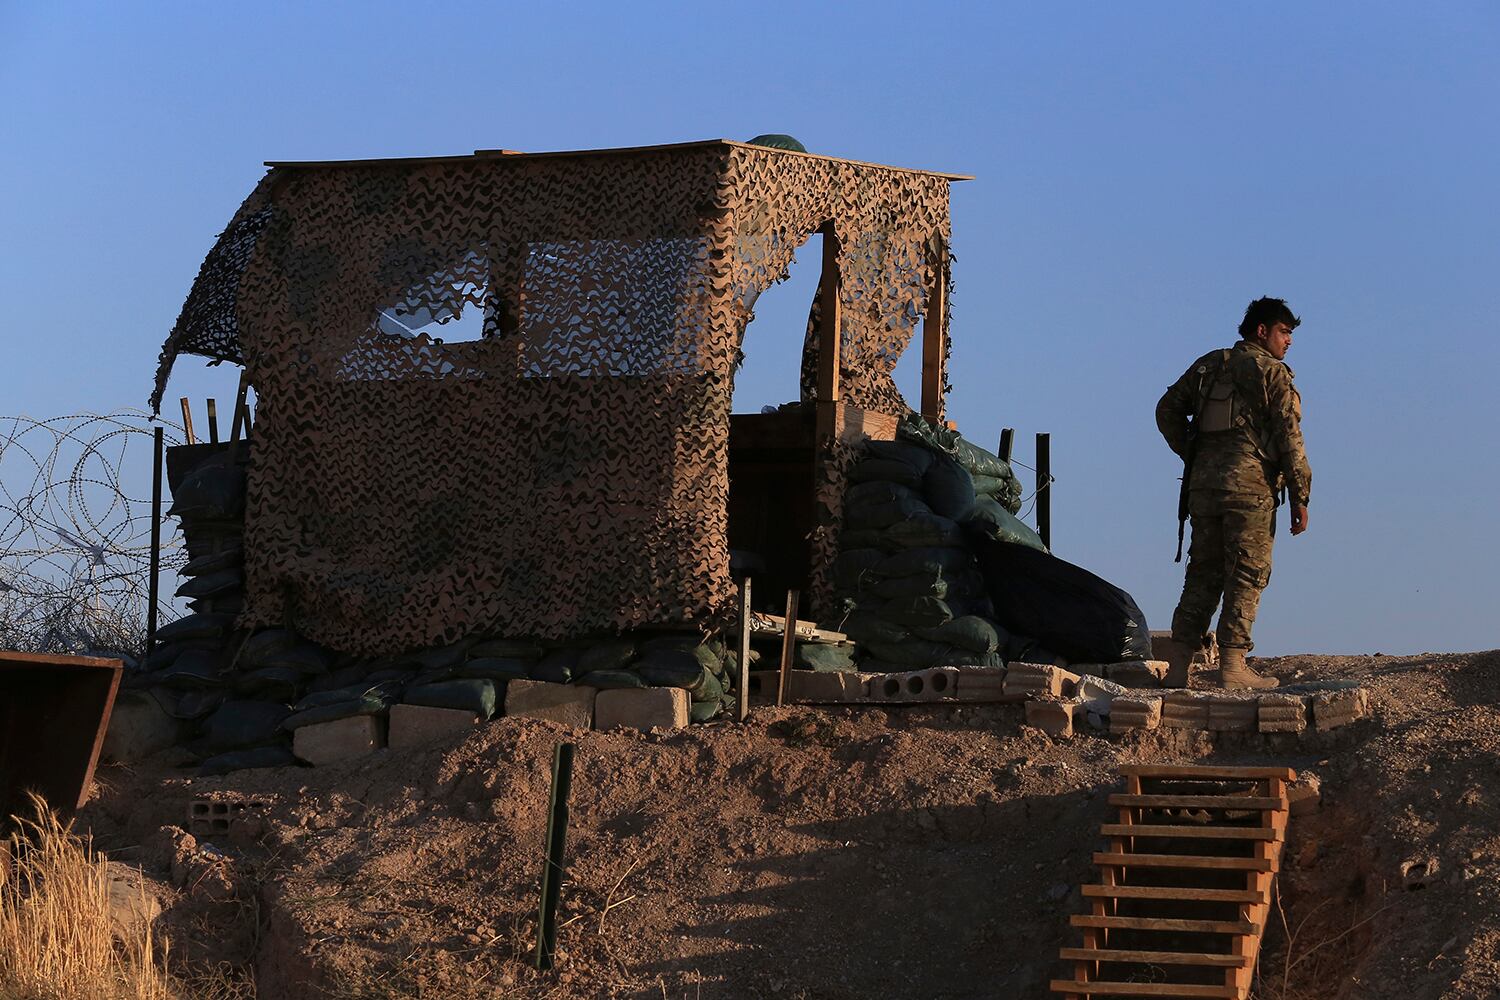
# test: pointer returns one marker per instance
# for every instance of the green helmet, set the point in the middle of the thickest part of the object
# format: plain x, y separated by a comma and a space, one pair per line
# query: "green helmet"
777, 140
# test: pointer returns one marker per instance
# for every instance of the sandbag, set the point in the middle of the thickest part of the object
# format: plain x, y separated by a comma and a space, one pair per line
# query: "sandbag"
709, 688
606, 680
822, 657
918, 612
615, 654
852, 565
369, 704
924, 531
244, 760
557, 667
495, 668
968, 632
916, 585
947, 487
197, 626
212, 584
188, 705
238, 724
862, 626
702, 711
865, 538
988, 486
914, 456
193, 669
212, 562
1064, 607
214, 489
914, 653
881, 514
267, 642
271, 683
1000, 524
877, 491
305, 658
925, 560
505, 649
885, 470
439, 657
470, 695
670, 667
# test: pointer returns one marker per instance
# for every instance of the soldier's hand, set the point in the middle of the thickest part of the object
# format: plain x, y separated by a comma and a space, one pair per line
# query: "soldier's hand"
1299, 520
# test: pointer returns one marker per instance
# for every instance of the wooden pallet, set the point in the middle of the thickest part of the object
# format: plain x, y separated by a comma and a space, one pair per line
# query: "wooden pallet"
1185, 886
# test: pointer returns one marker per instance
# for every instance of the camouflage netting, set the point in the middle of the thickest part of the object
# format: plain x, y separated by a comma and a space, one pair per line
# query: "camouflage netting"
567, 472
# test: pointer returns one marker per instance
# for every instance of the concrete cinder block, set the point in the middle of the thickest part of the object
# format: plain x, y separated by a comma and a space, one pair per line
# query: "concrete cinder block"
341, 739
1332, 709
1134, 712
1282, 713
1054, 717
982, 684
1137, 673
1183, 709
138, 728
415, 725
1031, 680
641, 708
933, 684
570, 704
1097, 693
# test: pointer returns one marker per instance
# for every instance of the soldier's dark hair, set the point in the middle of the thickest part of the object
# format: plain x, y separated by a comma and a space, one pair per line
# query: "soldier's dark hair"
1268, 311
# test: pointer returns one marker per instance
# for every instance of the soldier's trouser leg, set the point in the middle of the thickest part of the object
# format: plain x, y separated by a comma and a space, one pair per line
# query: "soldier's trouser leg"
1204, 581
1247, 525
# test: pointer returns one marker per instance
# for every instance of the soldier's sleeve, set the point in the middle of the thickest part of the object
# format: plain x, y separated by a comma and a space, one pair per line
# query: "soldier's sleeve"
1284, 410
1173, 412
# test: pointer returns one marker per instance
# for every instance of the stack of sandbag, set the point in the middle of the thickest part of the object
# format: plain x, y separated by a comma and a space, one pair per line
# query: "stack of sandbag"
905, 575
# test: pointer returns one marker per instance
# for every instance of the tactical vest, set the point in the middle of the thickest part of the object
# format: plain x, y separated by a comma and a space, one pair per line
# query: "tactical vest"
1221, 409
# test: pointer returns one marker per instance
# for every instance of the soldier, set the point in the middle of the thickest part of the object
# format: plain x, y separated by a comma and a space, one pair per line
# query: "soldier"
1234, 418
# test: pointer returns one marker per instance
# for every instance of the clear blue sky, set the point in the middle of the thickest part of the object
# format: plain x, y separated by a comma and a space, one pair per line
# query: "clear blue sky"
1144, 170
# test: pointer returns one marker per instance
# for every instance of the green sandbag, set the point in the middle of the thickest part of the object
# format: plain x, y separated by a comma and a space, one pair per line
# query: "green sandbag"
244, 760
702, 711
384, 691
684, 640
237, 724
914, 653
948, 488
505, 649
918, 612
862, 626
198, 626
606, 680
272, 683
917, 457
193, 669
710, 688
851, 567
916, 585
305, 659
988, 486
968, 632
865, 538
924, 530
822, 657
471, 694
440, 657
881, 514
225, 581
668, 667
495, 668
926, 560
557, 667
615, 654
877, 491
267, 642
1000, 524
213, 562
873, 470
367, 705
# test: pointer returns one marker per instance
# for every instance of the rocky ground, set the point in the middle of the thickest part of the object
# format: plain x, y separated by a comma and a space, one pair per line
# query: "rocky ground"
824, 853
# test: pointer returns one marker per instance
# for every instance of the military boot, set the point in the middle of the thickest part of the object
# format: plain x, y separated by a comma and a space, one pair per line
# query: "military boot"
1234, 674
1179, 656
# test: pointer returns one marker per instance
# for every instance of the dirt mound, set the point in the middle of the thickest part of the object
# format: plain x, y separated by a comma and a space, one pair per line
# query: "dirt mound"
826, 853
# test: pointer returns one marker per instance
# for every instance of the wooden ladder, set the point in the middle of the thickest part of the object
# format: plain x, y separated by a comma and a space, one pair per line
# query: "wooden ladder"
1185, 887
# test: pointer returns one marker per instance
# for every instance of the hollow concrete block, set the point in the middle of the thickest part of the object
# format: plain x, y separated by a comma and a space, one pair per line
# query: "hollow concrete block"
641, 708
341, 739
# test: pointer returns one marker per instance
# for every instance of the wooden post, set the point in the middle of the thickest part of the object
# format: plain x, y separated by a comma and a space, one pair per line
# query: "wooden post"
744, 678
554, 868
213, 421
788, 646
934, 337
236, 423
1044, 488
152, 583
187, 422
1007, 443
830, 334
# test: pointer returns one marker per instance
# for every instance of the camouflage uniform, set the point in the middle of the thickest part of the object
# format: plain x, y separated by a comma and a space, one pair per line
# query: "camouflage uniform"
1241, 415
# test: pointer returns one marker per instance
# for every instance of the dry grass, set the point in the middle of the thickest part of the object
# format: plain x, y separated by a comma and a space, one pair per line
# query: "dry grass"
57, 939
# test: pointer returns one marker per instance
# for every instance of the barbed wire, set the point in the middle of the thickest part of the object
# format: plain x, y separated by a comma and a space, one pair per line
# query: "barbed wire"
75, 540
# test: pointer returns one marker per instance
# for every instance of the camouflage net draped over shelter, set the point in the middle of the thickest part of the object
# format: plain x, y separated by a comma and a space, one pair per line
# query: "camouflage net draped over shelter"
567, 472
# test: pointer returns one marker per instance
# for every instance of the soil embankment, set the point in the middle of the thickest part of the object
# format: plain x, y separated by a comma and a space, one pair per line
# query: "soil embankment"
822, 853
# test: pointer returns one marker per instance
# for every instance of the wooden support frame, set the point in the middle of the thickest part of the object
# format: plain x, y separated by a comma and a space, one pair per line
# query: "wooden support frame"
935, 335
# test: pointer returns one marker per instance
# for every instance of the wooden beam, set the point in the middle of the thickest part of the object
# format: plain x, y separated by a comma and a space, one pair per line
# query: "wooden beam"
187, 422
788, 646
934, 336
830, 333
743, 706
